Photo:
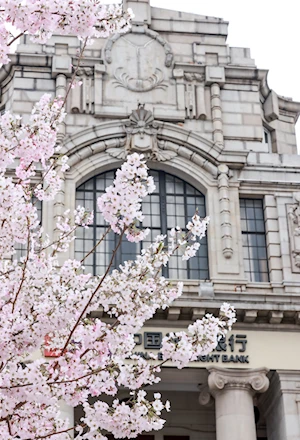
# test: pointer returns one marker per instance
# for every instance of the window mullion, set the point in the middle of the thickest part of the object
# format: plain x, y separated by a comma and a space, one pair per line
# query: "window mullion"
163, 212
95, 226
185, 221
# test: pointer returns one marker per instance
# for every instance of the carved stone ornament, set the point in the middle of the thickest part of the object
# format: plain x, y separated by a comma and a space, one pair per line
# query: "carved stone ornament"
199, 77
252, 380
225, 215
143, 73
85, 71
294, 231
154, 81
141, 136
205, 397
152, 34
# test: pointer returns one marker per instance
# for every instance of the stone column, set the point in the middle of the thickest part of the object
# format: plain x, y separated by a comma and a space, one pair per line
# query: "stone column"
60, 90
281, 406
233, 391
215, 78
59, 202
216, 111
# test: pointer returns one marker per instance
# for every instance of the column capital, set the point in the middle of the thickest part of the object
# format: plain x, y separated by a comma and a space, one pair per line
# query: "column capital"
254, 380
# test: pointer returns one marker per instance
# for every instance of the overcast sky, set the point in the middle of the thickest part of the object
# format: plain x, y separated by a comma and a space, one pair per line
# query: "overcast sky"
271, 29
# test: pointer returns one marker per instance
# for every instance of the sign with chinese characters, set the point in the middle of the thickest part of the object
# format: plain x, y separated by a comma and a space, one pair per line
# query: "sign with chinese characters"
240, 349
228, 350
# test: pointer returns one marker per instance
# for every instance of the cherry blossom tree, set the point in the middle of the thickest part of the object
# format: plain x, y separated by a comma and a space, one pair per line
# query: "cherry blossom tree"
47, 304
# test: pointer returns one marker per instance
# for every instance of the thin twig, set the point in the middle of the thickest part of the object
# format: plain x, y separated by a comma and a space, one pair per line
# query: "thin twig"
94, 293
23, 270
75, 71
97, 244
15, 38
58, 432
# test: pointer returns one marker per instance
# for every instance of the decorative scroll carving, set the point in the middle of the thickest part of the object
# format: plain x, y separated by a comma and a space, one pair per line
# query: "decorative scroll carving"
224, 202
141, 131
152, 34
205, 397
85, 71
294, 230
254, 380
154, 81
194, 76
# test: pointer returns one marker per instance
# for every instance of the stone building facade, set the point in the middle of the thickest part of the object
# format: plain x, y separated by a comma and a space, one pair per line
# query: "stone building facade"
218, 138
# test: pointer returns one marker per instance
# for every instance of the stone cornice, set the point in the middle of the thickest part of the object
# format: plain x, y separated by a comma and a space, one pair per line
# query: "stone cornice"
261, 75
250, 315
183, 22
31, 60
254, 380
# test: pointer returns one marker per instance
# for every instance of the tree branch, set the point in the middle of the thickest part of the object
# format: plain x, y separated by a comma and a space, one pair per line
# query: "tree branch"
94, 293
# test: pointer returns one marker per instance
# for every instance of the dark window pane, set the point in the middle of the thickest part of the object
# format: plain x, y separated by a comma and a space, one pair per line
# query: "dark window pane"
261, 240
259, 214
254, 240
262, 253
260, 226
250, 213
253, 254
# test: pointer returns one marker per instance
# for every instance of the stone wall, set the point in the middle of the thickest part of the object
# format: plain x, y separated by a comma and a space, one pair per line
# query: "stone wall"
212, 121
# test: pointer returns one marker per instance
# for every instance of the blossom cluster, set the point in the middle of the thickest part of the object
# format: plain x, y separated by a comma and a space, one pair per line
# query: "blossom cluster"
202, 338
48, 301
41, 297
67, 228
33, 143
121, 203
189, 240
43, 18
127, 419
38, 295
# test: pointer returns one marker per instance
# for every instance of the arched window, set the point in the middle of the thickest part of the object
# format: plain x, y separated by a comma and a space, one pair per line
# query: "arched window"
172, 204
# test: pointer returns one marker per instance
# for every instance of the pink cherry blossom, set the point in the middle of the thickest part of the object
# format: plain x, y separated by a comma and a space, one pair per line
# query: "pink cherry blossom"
47, 299
41, 18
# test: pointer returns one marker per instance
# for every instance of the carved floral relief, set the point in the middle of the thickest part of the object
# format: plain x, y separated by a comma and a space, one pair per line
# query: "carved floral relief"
141, 136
